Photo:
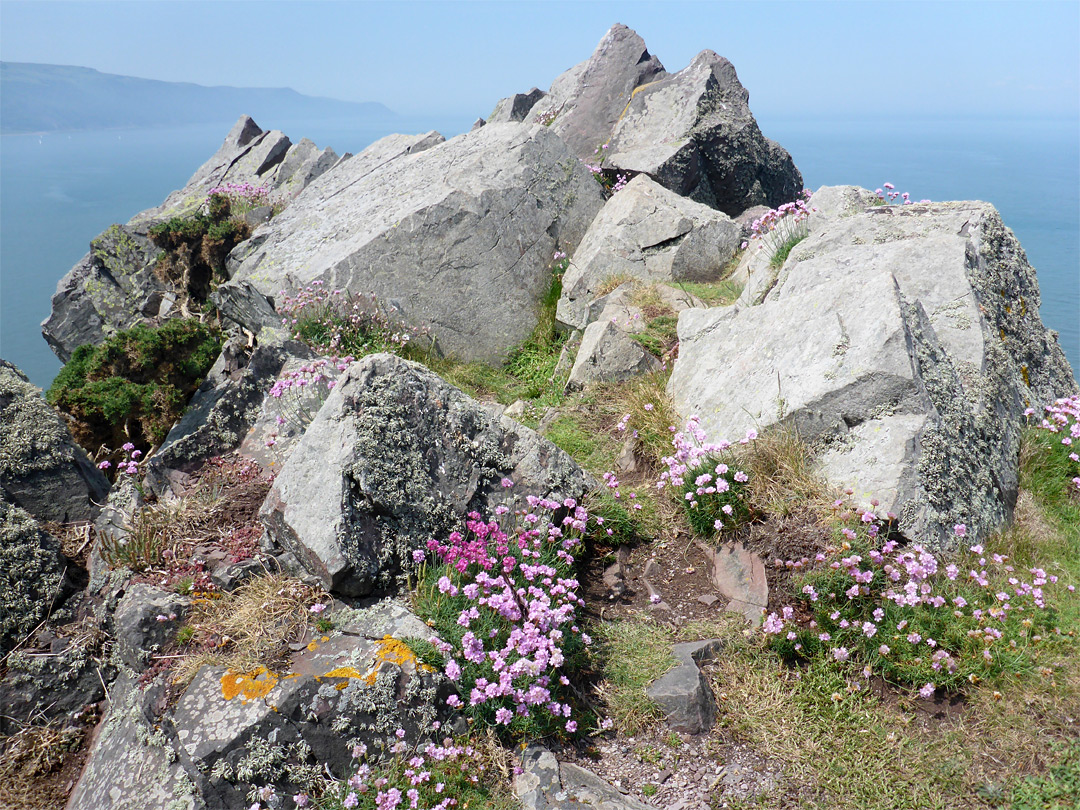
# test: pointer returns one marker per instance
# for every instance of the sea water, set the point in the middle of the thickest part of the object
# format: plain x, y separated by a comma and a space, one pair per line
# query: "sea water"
59, 190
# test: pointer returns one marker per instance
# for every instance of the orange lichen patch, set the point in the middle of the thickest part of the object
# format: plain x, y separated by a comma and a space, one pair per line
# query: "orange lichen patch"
248, 685
313, 646
390, 650
343, 672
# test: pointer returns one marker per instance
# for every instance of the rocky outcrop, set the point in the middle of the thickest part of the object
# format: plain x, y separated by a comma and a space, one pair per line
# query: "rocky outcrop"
904, 343
609, 354
42, 470
546, 784
515, 107
146, 619
649, 233
457, 239
683, 693
113, 287
585, 102
395, 457
693, 133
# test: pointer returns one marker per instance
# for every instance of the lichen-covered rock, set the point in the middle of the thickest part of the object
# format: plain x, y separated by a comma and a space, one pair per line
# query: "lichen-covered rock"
42, 470
585, 102
113, 287
132, 765
225, 410
232, 732
648, 233
457, 238
904, 343
693, 133
395, 457
546, 784
31, 574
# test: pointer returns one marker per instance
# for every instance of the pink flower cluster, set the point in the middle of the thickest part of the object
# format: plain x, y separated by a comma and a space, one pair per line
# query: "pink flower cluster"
304, 390
129, 465
888, 195
516, 600
924, 616
780, 224
1063, 419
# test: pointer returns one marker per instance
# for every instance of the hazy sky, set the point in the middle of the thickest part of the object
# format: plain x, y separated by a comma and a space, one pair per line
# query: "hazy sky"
896, 59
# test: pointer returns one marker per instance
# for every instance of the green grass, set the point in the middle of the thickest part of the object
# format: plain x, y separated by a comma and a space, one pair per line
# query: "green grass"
714, 293
631, 654
784, 248
660, 335
1058, 789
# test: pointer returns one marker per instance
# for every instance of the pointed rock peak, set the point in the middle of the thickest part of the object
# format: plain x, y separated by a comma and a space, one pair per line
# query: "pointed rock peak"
243, 131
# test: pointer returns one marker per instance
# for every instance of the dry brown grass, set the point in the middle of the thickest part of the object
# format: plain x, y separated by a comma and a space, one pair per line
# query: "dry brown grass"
30, 763
783, 478
251, 626
610, 283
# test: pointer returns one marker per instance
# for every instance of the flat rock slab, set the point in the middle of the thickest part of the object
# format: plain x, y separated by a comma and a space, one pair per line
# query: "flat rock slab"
545, 784
920, 406
396, 457
456, 238
739, 576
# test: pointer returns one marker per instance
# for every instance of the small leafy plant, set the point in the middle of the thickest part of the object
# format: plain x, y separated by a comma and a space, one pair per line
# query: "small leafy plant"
779, 230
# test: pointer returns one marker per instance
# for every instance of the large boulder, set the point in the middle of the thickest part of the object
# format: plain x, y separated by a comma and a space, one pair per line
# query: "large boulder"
585, 102
457, 239
113, 287
648, 233
41, 468
515, 107
904, 343
396, 457
693, 133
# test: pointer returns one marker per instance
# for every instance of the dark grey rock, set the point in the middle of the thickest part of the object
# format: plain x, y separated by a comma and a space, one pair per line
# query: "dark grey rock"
584, 103
225, 409
395, 457
42, 470
145, 620
920, 406
516, 107
693, 133
683, 694
456, 238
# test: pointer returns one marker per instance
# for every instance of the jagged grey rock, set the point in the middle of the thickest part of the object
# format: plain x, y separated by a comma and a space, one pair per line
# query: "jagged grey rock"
145, 619
395, 457
31, 574
224, 411
515, 107
545, 784
693, 133
42, 470
585, 102
683, 693
904, 343
457, 239
648, 233
113, 287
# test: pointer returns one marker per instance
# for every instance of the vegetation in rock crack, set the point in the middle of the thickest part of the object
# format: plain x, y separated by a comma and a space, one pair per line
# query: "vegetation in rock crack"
135, 385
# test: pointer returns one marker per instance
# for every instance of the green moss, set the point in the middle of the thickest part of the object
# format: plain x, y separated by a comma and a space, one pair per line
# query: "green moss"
134, 386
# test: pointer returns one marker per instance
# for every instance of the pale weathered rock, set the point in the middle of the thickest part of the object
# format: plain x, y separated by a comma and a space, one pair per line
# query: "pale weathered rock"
545, 784
395, 457
739, 576
608, 354
457, 239
693, 133
113, 287
649, 233
585, 102
42, 470
683, 693
904, 343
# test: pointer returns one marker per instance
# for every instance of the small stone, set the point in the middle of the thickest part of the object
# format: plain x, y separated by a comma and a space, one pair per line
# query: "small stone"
708, 599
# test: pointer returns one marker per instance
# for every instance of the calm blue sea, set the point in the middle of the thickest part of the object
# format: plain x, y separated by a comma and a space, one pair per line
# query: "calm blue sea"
58, 191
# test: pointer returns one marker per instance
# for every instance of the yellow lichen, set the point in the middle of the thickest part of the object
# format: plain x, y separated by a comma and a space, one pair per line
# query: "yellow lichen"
390, 651
248, 685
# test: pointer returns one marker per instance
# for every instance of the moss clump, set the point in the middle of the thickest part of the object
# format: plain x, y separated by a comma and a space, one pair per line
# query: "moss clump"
133, 387
195, 248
